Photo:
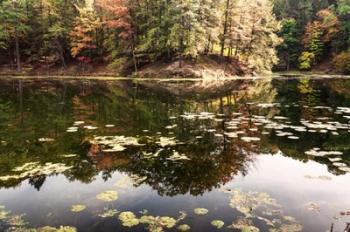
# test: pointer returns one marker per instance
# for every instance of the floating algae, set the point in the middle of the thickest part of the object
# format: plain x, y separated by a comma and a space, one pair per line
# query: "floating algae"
218, 223
77, 208
128, 219
108, 196
201, 211
108, 213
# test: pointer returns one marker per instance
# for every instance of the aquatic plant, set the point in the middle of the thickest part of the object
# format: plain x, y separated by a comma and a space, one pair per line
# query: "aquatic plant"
201, 211
184, 227
77, 208
115, 143
108, 213
128, 219
218, 224
244, 225
318, 152
157, 224
53, 229
246, 203
108, 196
250, 205
166, 142
33, 169
176, 156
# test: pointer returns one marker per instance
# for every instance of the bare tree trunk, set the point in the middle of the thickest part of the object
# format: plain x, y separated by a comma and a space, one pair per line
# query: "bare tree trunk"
288, 62
134, 57
18, 57
225, 28
61, 55
11, 58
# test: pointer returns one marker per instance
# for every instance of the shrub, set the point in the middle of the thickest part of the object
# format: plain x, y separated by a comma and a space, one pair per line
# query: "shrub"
342, 62
306, 60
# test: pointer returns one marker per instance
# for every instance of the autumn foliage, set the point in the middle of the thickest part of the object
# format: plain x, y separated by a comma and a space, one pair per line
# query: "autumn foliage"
119, 17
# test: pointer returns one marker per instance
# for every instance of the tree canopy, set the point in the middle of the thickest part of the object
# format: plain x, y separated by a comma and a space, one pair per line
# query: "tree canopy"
263, 34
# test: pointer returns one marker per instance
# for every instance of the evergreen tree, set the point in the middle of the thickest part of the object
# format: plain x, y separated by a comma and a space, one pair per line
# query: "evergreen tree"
290, 49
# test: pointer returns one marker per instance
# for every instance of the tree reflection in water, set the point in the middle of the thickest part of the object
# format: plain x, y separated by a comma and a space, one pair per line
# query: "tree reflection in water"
30, 110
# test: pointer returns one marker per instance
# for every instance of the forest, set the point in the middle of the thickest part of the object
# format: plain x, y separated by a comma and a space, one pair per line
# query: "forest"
264, 35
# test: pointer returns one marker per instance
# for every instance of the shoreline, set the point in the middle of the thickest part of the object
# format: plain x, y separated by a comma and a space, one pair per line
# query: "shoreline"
280, 76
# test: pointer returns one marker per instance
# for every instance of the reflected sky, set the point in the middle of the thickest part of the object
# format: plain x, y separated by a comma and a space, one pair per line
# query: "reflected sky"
252, 135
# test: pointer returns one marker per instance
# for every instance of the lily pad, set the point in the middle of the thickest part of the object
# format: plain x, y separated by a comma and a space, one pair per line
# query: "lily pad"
108, 213
77, 208
244, 225
218, 223
201, 211
167, 222
166, 142
128, 219
108, 196
184, 227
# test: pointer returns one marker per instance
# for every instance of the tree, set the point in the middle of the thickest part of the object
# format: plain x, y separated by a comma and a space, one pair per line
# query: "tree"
120, 22
261, 41
60, 18
306, 60
83, 36
289, 49
13, 26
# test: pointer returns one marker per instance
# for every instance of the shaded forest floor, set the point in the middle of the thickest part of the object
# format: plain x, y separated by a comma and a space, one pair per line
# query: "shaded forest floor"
207, 67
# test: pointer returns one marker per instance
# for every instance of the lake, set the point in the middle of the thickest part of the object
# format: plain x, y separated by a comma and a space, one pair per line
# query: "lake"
171, 155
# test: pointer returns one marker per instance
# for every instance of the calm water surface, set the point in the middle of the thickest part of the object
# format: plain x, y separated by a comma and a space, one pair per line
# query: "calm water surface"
268, 155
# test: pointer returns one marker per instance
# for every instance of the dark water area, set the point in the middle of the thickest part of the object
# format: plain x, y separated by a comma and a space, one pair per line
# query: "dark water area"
256, 155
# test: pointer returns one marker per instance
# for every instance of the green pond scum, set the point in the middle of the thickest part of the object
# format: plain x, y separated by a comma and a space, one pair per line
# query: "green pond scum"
251, 155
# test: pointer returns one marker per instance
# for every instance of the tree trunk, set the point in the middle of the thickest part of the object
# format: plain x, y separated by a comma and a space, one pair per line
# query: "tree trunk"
134, 57
225, 28
61, 54
288, 62
18, 57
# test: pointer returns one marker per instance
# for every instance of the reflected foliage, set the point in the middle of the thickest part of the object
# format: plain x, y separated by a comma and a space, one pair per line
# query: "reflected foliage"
32, 110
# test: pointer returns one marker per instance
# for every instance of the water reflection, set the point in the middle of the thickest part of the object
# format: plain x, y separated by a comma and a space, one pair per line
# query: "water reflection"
219, 131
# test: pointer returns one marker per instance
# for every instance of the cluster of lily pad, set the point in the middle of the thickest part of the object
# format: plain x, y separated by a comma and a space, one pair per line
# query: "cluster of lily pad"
33, 169
115, 143
260, 206
333, 157
16, 223
278, 123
